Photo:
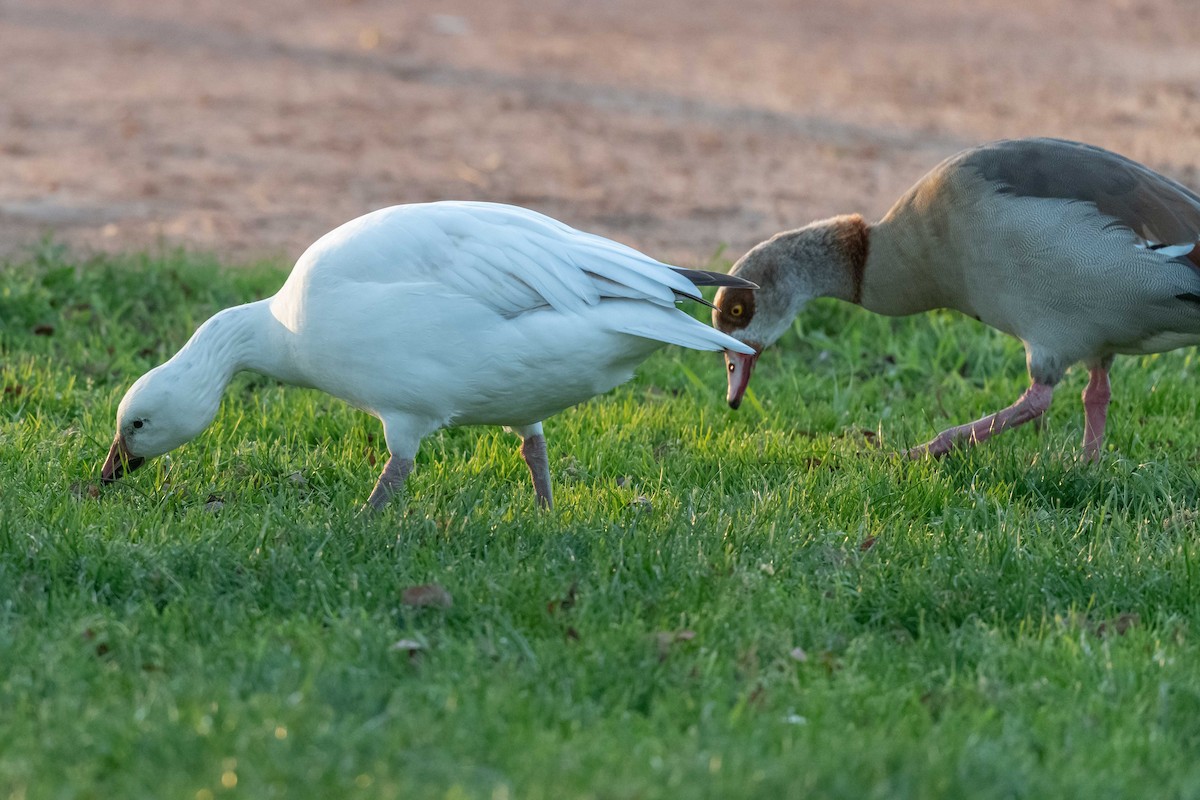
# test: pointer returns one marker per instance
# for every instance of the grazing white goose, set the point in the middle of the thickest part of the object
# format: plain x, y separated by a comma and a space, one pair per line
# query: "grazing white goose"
1078, 252
428, 316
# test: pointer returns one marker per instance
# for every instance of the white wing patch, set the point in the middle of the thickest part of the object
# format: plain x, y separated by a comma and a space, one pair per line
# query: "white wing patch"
516, 260
1167, 250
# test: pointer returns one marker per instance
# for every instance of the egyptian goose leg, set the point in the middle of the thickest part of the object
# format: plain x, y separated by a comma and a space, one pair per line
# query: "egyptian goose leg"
1031, 405
533, 449
391, 480
1095, 409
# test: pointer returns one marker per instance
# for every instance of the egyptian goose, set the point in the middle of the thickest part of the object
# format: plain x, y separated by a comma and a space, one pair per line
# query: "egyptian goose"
428, 316
1078, 252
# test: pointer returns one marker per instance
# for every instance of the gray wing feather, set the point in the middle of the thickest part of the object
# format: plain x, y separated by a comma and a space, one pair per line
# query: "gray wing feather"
1155, 207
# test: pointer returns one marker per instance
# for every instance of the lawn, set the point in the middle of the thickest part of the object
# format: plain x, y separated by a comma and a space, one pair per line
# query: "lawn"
762, 603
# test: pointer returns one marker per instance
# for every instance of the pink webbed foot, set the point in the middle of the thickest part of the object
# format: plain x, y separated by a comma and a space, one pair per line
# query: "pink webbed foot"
1031, 405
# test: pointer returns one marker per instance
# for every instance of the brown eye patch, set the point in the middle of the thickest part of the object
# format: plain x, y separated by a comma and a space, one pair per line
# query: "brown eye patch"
737, 307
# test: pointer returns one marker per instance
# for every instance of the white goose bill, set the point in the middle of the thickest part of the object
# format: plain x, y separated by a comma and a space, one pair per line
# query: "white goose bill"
119, 462
740, 367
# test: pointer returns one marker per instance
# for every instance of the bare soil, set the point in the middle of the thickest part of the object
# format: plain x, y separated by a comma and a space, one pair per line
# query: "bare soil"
678, 126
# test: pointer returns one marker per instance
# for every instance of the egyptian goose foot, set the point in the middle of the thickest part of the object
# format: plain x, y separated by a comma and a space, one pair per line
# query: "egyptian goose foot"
1031, 405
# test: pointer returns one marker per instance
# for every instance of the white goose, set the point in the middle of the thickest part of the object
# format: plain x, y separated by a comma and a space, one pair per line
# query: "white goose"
1080, 253
429, 316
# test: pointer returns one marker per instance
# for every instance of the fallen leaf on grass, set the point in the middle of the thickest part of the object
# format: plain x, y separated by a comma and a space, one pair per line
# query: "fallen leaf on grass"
665, 639
43, 330
412, 647
869, 437
1184, 517
867, 543
101, 647
1118, 624
79, 490
642, 503
567, 602
428, 594
662, 449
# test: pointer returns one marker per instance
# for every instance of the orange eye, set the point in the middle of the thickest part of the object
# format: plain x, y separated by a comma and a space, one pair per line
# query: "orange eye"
736, 310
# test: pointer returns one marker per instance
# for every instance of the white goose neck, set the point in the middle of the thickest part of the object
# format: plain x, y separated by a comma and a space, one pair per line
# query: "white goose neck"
238, 338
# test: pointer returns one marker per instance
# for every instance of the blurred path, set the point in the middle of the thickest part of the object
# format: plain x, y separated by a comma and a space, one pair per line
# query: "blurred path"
676, 126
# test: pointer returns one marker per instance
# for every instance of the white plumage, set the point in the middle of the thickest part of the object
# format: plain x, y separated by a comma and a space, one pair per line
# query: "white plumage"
428, 316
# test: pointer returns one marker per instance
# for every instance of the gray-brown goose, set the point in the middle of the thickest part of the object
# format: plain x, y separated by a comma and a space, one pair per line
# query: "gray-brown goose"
1077, 251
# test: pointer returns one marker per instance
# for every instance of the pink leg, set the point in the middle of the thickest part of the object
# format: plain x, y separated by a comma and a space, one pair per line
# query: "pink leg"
1032, 405
1095, 411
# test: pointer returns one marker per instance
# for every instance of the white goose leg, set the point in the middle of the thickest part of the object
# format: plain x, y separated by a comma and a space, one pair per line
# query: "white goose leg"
1031, 405
1095, 409
403, 435
533, 449
391, 480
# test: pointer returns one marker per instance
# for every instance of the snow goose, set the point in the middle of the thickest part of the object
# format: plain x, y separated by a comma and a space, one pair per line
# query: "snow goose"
1078, 252
428, 316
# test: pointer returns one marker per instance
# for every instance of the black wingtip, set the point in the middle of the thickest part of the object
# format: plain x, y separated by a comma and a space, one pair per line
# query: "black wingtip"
703, 277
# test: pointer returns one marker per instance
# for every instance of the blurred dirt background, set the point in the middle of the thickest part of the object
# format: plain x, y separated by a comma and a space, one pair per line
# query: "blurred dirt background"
677, 126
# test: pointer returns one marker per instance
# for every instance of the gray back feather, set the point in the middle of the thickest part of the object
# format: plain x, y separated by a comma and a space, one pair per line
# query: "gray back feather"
1155, 207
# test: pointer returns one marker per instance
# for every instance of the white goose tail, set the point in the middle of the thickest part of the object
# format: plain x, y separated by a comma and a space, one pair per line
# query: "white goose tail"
672, 326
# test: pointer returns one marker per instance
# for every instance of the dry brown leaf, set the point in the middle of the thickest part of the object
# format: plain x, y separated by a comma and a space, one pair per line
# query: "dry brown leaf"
867, 543
1118, 624
79, 490
665, 639
567, 602
427, 594
642, 503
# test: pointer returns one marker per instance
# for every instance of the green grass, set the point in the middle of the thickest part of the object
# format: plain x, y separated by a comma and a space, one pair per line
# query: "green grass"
795, 612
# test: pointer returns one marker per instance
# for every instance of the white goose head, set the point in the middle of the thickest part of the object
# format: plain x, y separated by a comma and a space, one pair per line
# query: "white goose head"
165, 408
174, 402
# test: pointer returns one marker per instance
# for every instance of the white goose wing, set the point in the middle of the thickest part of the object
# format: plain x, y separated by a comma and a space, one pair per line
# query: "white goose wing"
511, 259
